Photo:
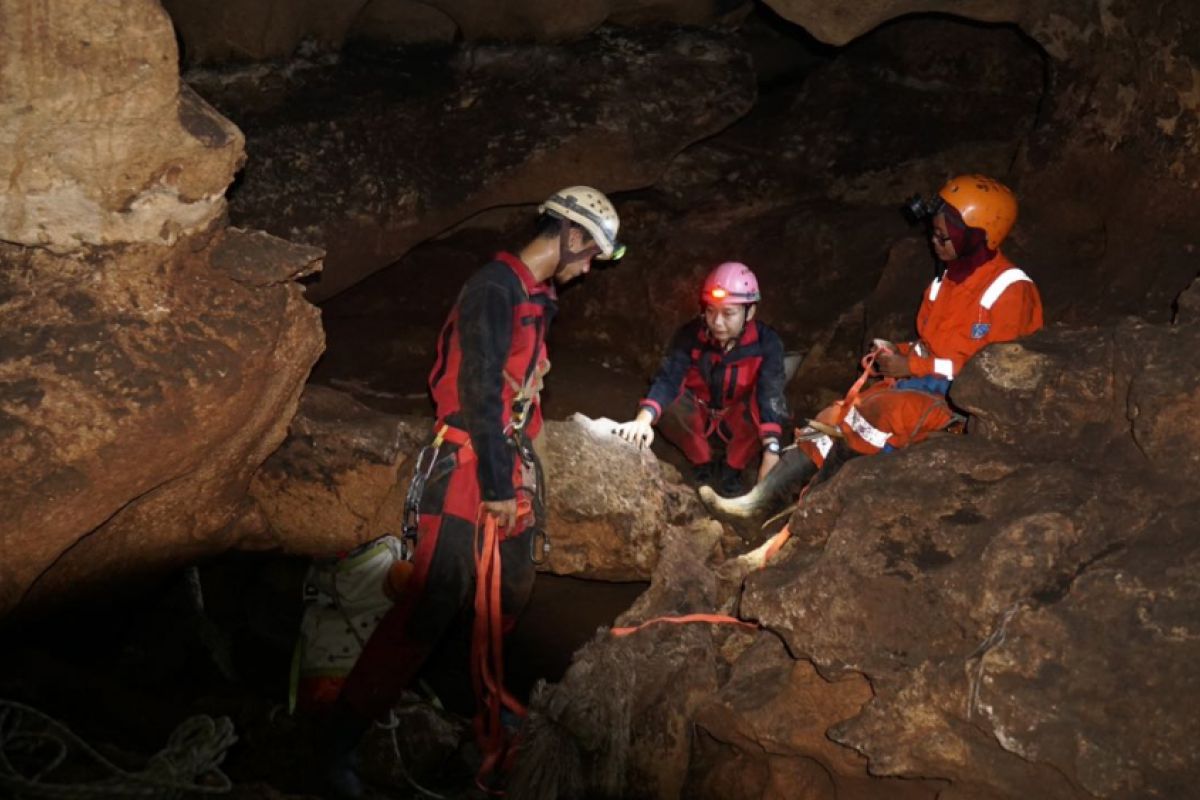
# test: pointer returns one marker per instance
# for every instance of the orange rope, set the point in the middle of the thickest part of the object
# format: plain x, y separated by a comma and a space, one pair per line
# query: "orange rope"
715, 619
780, 539
487, 651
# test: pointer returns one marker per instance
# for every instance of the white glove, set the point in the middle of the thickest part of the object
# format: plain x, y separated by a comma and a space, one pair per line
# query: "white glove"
637, 431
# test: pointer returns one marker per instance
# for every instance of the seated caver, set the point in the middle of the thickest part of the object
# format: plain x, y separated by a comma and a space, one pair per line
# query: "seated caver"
979, 297
720, 387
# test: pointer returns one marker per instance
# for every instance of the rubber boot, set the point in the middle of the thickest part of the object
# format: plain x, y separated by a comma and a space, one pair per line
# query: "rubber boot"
729, 481
340, 737
703, 474
782, 483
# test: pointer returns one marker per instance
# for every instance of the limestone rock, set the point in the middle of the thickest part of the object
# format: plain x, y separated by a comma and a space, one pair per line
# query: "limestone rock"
1109, 394
340, 477
100, 141
763, 734
139, 390
607, 503
618, 725
516, 123
953, 549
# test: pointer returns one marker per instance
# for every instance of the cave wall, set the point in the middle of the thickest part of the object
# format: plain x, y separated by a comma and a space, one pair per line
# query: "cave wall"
257, 30
150, 355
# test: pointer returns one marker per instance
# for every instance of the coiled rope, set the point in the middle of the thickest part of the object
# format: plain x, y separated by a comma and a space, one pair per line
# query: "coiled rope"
33, 746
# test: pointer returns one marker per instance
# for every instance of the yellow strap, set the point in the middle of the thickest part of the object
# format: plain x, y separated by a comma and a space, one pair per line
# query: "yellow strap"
440, 436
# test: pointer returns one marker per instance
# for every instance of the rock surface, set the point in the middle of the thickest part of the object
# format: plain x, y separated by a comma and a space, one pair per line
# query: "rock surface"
140, 388
517, 123
974, 617
341, 477
150, 356
608, 503
100, 142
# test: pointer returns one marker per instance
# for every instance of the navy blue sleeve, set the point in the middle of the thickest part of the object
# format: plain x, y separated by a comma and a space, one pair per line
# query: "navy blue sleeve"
772, 405
485, 320
675, 364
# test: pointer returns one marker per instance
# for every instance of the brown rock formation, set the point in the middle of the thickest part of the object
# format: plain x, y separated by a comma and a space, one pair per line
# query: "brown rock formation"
150, 357
341, 477
1004, 594
608, 504
141, 388
99, 141
515, 122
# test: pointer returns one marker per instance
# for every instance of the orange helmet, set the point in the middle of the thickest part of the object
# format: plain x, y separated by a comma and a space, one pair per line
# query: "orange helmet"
983, 203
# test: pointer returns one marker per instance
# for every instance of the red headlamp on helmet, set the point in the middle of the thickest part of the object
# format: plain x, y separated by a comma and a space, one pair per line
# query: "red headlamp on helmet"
731, 282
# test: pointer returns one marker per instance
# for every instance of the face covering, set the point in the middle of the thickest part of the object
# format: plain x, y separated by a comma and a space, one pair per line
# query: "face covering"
970, 245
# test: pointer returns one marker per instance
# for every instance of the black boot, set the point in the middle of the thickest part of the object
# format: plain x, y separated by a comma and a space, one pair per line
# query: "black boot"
729, 484
703, 474
781, 485
340, 737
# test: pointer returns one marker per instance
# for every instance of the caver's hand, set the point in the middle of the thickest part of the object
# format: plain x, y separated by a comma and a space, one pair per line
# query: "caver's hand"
505, 511
637, 431
892, 365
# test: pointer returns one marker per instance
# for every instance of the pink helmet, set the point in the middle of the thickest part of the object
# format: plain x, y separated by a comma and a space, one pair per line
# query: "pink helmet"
731, 282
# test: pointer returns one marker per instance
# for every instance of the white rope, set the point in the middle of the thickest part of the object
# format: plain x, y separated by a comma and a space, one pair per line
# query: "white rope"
33, 745
390, 726
994, 640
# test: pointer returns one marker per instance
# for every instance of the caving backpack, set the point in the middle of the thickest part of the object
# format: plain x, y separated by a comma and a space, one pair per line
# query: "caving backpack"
344, 599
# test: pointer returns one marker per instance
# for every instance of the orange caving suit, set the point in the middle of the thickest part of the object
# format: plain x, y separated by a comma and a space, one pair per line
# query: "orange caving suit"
995, 303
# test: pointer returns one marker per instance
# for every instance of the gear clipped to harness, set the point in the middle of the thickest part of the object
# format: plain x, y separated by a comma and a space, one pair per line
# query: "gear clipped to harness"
533, 491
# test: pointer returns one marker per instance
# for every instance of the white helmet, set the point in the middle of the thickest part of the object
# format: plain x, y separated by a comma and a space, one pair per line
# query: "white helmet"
592, 211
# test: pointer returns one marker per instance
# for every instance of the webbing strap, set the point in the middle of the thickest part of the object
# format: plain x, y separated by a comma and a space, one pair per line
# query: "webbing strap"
713, 619
487, 651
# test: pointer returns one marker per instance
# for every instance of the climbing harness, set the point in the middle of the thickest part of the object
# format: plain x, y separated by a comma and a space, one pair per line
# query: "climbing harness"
33, 746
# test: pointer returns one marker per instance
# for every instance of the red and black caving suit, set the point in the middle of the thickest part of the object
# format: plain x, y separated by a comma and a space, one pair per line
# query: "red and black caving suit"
492, 343
701, 390
993, 302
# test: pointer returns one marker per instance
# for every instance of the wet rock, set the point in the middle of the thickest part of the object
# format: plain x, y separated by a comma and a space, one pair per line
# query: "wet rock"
114, 149
515, 122
340, 477
140, 388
